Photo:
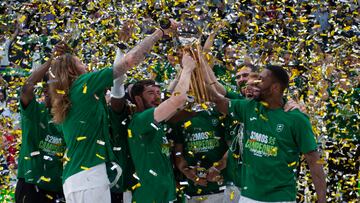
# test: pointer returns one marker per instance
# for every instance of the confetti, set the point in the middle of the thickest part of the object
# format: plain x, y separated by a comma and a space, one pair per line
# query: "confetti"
43, 178
154, 126
152, 172
315, 40
84, 89
81, 138
34, 153
292, 164
100, 157
136, 186
100, 142
187, 124
60, 92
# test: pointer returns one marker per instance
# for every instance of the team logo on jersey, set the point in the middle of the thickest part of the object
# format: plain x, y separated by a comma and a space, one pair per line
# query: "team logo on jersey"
215, 122
279, 128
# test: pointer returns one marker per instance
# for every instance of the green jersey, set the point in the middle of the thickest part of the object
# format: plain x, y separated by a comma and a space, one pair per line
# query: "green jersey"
225, 76
272, 143
203, 139
120, 147
150, 151
86, 127
233, 95
234, 134
42, 148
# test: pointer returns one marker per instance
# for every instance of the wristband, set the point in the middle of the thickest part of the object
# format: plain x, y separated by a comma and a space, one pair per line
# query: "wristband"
118, 90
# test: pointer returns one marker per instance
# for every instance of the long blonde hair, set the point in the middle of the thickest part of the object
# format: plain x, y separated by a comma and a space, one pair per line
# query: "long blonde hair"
62, 74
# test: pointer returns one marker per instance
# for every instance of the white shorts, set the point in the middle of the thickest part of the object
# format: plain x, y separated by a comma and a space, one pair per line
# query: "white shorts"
248, 200
212, 198
231, 194
127, 196
88, 186
92, 195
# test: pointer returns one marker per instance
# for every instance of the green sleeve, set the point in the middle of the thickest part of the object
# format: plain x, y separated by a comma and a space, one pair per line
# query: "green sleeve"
98, 81
144, 123
118, 121
238, 108
304, 135
233, 95
32, 108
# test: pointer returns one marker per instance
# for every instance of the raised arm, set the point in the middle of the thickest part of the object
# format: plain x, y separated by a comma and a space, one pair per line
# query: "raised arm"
138, 53
210, 40
317, 174
27, 90
211, 79
222, 103
178, 98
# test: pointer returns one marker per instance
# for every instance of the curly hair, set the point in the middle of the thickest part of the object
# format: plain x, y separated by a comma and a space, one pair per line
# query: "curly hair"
62, 74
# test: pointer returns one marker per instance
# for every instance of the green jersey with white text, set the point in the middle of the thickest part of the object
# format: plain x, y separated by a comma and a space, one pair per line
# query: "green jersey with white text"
150, 151
273, 141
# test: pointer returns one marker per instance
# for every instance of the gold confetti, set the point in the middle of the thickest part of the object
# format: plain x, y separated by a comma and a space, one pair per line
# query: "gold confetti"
81, 138
84, 89
49, 196
263, 117
232, 195
101, 157
43, 178
60, 91
187, 124
136, 186
321, 161
264, 104
292, 164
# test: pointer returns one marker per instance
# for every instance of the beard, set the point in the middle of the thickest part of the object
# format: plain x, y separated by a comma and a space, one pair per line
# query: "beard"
263, 94
148, 105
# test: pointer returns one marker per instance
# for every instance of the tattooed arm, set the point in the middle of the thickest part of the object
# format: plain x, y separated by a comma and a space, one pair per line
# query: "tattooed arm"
138, 53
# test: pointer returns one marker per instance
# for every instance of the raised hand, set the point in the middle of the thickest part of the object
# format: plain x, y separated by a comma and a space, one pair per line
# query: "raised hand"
60, 49
188, 63
172, 30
